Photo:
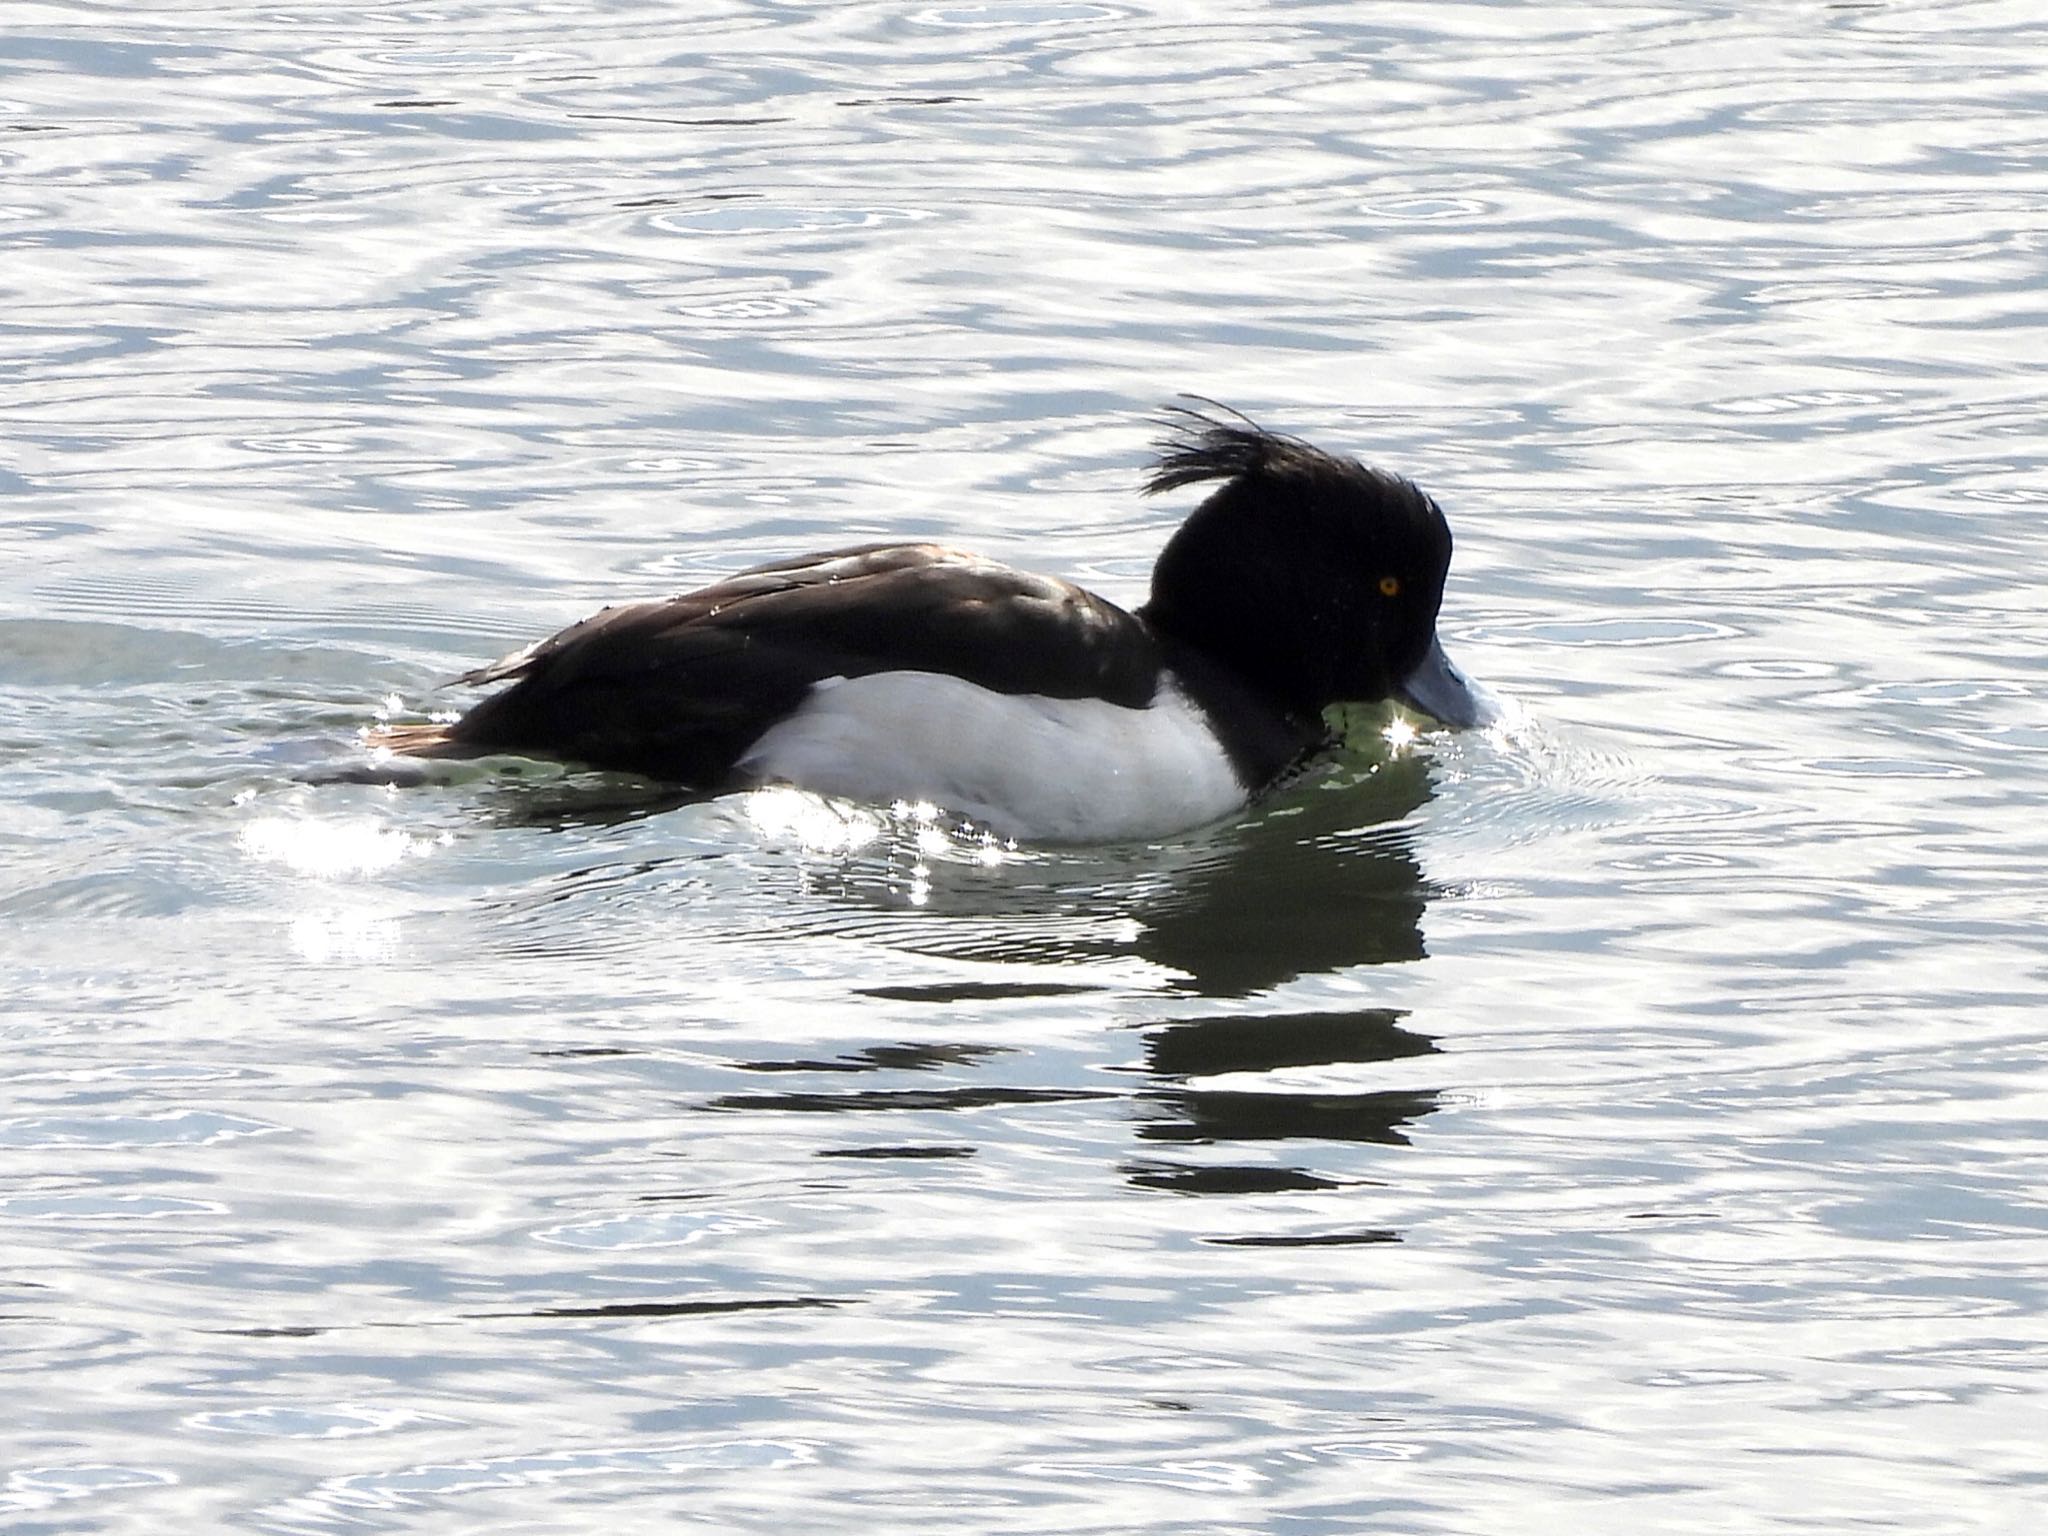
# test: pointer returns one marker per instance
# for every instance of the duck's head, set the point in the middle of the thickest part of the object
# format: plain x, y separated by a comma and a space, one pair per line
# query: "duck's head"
1313, 577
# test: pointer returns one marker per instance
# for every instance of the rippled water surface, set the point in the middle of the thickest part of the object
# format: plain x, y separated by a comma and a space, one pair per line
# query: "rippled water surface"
1631, 1120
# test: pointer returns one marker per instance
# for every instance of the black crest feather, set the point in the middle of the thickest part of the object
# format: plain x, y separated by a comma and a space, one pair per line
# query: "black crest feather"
1199, 446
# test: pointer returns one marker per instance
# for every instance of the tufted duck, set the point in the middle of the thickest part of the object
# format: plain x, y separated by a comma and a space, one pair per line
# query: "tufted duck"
1023, 703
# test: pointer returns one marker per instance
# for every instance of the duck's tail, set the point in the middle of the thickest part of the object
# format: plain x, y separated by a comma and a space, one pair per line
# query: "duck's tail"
416, 741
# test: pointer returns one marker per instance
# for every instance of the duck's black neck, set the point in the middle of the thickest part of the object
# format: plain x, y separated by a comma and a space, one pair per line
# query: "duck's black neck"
1263, 740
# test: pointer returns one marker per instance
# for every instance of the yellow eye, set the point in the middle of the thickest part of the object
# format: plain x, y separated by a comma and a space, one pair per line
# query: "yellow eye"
1390, 586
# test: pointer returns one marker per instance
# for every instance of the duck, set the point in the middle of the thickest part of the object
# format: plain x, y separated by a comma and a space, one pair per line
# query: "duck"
1024, 705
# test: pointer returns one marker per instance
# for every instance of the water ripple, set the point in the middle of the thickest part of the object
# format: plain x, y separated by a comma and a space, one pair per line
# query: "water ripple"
1664, 1064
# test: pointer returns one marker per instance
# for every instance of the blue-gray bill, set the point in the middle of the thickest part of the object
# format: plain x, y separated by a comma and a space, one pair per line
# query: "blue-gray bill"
1438, 689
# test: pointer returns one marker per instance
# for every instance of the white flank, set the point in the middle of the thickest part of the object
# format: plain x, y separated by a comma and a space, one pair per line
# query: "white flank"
1049, 770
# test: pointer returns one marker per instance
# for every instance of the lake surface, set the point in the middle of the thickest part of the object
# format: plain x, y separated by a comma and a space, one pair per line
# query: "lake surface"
1634, 1119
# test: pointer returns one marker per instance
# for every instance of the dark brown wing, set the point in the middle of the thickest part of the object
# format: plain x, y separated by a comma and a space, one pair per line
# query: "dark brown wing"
679, 689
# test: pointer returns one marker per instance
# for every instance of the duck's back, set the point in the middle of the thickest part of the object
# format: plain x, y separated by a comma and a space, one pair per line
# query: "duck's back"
680, 689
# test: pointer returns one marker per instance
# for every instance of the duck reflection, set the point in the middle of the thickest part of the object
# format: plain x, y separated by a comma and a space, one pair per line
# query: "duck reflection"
1325, 880
1183, 1053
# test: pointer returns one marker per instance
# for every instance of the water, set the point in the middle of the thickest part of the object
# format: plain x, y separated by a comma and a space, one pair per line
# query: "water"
1630, 1121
